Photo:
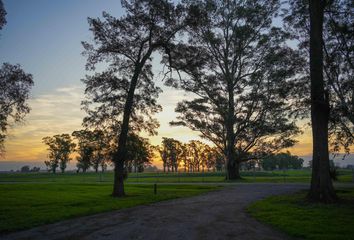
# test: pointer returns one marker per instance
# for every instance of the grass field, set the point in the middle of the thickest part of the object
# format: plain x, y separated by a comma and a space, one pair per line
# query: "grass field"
160, 177
291, 214
32, 199
25, 205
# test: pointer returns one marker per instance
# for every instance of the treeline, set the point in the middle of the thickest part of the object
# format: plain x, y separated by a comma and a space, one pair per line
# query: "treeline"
282, 161
95, 149
196, 156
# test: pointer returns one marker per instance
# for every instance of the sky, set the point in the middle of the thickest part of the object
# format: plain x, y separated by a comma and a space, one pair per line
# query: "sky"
44, 37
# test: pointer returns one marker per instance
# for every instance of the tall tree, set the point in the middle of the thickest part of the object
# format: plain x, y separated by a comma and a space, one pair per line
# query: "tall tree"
339, 71
321, 182
15, 86
311, 26
60, 147
240, 70
125, 93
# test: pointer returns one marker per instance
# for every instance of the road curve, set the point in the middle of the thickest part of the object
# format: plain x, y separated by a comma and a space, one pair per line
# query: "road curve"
215, 215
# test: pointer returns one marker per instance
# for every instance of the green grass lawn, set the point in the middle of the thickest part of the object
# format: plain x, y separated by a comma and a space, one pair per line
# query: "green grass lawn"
293, 215
160, 177
25, 205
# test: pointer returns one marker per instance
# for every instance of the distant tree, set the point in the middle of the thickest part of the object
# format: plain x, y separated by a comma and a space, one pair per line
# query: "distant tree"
162, 150
85, 149
139, 153
282, 161
269, 163
60, 147
196, 154
239, 67
151, 168
124, 95
219, 160
35, 169
94, 149
15, 86
25, 169
172, 153
104, 147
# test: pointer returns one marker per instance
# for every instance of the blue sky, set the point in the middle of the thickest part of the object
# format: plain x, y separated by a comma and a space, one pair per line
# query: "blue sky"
45, 36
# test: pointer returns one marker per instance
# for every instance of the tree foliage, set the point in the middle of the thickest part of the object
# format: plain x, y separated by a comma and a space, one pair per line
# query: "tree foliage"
241, 70
193, 156
15, 86
338, 47
123, 97
139, 153
282, 161
59, 147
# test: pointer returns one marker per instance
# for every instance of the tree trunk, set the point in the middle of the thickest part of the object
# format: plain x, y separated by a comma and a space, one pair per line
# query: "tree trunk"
321, 183
119, 157
232, 166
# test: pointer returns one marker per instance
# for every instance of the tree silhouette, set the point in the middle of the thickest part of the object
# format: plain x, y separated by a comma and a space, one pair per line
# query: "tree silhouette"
338, 42
240, 69
171, 153
314, 27
86, 147
139, 153
60, 147
15, 86
321, 183
124, 95
339, 71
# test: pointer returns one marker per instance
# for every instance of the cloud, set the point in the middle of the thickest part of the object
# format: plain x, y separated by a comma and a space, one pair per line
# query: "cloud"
52, 113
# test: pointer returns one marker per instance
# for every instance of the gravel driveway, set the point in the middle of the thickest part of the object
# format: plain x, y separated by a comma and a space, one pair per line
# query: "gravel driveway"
215, 215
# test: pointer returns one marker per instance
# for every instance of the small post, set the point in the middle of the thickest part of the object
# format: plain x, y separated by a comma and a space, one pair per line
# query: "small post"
155, 188
254, 172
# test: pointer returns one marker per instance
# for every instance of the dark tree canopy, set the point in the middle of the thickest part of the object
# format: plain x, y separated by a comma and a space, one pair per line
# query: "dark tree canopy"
123, 97
338, 40
172, 152
193, 156
240, 69
282, 161
139, 153
325, 30
15, 86
59, 147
